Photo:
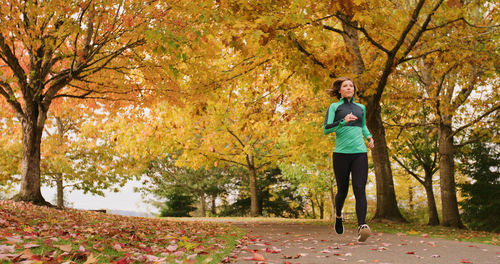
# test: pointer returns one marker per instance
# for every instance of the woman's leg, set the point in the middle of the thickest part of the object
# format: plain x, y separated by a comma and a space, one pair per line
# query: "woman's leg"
341, 165
359, 169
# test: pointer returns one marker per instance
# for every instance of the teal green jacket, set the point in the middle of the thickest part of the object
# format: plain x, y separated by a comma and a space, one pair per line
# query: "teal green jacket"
349, 136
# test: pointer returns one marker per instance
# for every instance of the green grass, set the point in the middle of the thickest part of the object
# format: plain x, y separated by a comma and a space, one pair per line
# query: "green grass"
231, 240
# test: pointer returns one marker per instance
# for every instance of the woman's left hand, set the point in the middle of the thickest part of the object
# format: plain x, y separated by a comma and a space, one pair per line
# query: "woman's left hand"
370, 143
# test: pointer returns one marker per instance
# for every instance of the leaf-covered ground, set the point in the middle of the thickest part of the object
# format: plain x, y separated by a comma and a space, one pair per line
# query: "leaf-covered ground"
35, 234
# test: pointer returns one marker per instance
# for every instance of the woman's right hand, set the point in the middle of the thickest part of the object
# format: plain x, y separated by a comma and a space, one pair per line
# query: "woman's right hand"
350, 117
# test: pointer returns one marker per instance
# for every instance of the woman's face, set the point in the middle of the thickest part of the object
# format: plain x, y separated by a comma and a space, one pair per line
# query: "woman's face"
346, 89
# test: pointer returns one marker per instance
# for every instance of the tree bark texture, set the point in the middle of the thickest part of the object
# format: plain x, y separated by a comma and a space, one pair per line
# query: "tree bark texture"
387, 207
214, 207
254, 201
32, 126
431, 203
313, 207
451, 216
203, 205
60, 190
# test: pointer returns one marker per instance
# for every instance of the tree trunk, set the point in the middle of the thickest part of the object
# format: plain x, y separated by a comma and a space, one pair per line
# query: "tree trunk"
387, 207
321, 206
203, 204
451, 216
431, 203
60, 190
32, 126
410, 200
213, 207
59, 175
254, 201
312, 207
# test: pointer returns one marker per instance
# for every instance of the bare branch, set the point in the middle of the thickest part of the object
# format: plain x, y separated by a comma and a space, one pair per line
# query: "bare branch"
364, 31
440, 87
445, 24
408, 28
307, 23
333, 29
311, 56
235, 136
419, 32
13, 63
409, 170
493, 109
7, 92
420, 56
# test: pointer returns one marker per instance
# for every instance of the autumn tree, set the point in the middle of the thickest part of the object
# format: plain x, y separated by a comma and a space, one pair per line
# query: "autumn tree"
328, 39
455, 81
75, 49
239, 126
79, 153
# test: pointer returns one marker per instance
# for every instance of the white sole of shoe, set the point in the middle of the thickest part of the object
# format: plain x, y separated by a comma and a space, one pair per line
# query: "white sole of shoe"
364, 234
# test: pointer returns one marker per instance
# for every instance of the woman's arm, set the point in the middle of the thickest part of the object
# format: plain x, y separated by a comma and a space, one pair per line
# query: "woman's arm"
329, 125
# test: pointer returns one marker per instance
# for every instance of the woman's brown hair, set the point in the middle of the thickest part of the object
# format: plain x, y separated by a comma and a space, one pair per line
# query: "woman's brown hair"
334, 90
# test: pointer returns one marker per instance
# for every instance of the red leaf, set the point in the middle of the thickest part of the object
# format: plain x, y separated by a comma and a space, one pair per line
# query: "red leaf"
410, 252
257, 257
465, 261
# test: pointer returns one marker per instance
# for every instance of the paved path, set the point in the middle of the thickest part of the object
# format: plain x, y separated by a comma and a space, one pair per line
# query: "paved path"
310, 243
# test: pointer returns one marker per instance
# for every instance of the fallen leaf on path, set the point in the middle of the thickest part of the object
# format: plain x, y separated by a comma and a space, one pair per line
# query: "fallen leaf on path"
65, 248
256, 256
7, 249
14, 239
410, 252
465, 261
274, 250
172, 248
413, 232
30, 246
91, 259
27, 254
292, 257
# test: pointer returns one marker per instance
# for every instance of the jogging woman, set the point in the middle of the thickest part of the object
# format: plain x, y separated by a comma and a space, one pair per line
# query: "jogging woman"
348, 120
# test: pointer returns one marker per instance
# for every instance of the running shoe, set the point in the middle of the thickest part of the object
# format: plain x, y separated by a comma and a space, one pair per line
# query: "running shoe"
363, 232
339, 227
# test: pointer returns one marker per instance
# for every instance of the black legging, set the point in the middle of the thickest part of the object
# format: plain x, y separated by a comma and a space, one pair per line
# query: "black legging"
343, 165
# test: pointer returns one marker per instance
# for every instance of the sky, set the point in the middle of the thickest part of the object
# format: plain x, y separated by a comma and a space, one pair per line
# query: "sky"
126, 199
